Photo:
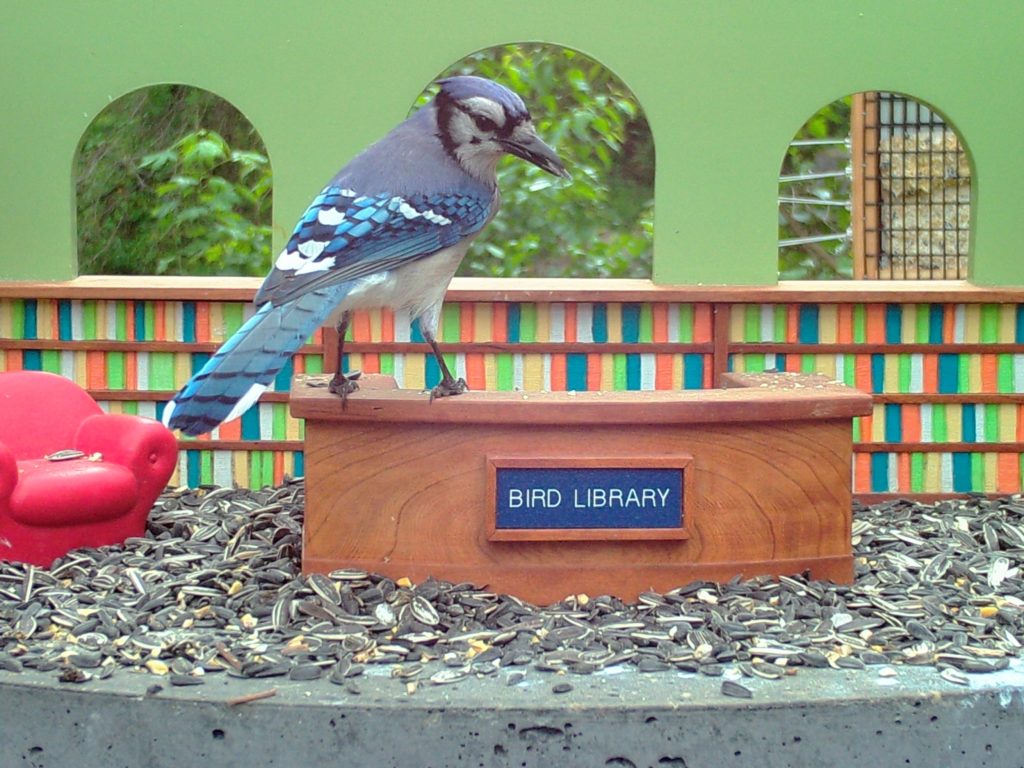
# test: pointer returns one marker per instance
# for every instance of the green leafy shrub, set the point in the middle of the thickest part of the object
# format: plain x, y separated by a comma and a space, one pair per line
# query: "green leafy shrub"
210, 202
199, 205
173, 180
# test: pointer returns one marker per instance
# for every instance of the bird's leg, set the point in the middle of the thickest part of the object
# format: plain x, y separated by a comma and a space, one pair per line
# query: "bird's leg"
449, 384
341, 384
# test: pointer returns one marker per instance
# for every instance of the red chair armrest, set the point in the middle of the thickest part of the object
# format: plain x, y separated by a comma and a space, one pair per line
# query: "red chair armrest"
144, 446
8, 472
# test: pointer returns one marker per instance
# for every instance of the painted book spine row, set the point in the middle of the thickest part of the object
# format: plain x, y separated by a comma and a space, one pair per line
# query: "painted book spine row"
948, 378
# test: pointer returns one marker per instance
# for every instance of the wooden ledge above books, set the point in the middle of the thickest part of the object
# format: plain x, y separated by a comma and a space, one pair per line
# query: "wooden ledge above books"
747, 398
541, 289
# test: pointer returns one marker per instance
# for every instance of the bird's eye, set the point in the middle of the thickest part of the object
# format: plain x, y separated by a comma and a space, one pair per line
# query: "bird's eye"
484, 123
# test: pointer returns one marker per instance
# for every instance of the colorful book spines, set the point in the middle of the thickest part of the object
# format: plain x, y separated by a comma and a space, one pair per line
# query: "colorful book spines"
571, 323
878, 323
262, 422
907, 373
122, 320
161, 371
875, 472
528, 323
939, 472
942, 423
248, 469
507, 371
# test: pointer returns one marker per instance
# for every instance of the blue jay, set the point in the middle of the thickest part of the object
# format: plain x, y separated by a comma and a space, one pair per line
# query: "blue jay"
389, 230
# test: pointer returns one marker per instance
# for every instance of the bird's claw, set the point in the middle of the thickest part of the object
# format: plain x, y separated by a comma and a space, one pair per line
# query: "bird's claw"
337, 380
343, 386
448, 388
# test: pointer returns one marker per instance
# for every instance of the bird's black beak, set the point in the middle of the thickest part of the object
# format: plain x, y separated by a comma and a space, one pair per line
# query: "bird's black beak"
534, 150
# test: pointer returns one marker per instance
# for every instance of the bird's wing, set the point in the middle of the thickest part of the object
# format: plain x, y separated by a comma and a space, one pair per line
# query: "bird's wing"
344, 236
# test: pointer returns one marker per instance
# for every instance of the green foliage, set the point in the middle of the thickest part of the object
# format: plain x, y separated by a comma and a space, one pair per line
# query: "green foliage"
173, 180
200, 203
210, 221
601, 223
199, 206
830, 259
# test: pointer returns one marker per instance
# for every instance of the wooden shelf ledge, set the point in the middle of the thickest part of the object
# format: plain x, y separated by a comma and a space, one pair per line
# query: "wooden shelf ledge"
541, 289
749, 398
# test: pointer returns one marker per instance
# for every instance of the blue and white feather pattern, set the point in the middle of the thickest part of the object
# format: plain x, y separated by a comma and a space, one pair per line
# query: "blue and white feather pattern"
344, 235
345, 243
388, 231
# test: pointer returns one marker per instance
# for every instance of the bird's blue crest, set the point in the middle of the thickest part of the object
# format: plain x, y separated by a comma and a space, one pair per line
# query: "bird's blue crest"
467, 86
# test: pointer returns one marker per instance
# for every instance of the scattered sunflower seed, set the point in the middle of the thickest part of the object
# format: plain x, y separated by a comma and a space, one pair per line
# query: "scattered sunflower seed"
736, 690
215, 586
185, 680
449, 675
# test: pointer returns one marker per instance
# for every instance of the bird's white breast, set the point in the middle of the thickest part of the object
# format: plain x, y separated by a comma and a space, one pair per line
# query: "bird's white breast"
415, 287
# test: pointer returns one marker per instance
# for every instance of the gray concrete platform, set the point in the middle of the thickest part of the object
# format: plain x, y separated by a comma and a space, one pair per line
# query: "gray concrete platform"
619, 718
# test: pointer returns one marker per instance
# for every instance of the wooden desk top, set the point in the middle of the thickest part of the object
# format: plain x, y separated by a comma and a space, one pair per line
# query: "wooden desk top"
747, 398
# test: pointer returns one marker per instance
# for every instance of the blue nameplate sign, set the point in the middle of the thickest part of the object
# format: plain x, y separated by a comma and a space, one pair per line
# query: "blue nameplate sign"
577, 498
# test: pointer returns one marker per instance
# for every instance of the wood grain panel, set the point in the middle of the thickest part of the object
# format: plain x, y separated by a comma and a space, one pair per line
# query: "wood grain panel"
949, 447
409, 497
519, 348
863, 348
109, 345
239, 445
756, 404
539, 289
918, 398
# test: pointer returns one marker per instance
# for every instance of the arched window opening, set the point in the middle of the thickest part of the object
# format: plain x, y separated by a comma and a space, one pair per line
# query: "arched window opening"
875, 186
601, 224
173, 180
814, 198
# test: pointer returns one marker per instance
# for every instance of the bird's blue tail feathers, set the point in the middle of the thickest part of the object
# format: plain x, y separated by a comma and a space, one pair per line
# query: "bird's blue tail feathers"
233, 379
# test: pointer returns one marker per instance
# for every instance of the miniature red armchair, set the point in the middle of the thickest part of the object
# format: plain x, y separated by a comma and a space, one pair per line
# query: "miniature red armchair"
70, 474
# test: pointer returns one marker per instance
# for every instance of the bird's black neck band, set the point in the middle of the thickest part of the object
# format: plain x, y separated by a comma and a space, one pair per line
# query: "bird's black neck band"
445, 110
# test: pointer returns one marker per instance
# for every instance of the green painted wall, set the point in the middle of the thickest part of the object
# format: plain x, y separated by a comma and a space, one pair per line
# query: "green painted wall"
725, 83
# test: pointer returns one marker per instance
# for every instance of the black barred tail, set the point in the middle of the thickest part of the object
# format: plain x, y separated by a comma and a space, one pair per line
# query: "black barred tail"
235, 377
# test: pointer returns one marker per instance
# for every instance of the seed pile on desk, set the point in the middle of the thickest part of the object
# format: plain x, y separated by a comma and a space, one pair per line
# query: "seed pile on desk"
215, 587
